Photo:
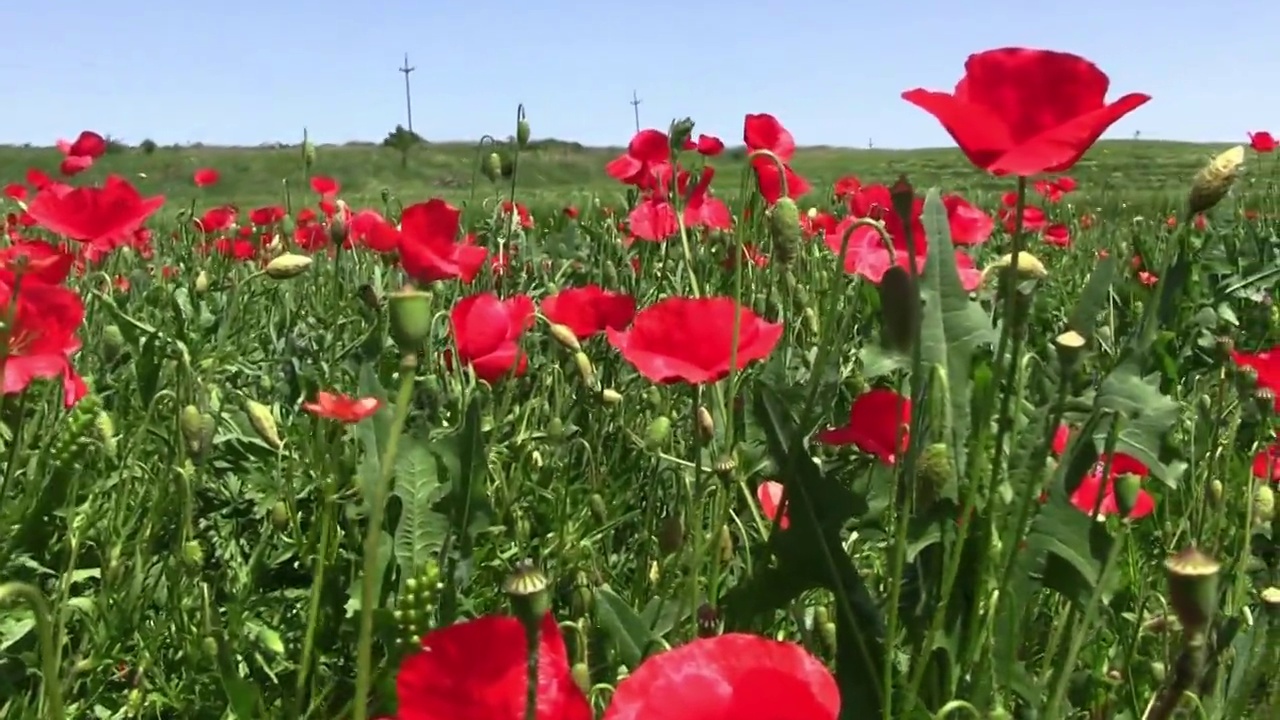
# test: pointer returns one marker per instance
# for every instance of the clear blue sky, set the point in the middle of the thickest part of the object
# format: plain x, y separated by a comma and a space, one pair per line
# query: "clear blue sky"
250, 71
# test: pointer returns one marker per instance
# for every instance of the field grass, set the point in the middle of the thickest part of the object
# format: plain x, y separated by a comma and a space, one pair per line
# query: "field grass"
555, 172
195, 539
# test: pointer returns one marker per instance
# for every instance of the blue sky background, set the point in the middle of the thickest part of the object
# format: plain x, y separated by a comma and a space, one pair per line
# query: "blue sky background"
251, 71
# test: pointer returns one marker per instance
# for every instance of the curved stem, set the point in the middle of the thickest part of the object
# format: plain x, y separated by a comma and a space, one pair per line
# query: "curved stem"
777, 162
481, 144
48, 653
373, 535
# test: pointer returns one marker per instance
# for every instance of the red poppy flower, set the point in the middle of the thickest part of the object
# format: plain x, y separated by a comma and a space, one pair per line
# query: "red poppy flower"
1262, 142
1058, 235
969, 225
702, 210
74, 164
108, 214
204, 177
429, 247
487, 330
1085, 497
87, 144
1019, 111
35, 261
477, 670
589, 310
343, 408
709, 145
645, 163
43, 338
690, 340
325, 187
653, 219
739, 676
1266, 463
770, 494
877, 425
764, 132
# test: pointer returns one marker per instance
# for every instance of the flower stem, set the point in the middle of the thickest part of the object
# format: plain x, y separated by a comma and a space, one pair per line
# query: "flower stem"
48, 653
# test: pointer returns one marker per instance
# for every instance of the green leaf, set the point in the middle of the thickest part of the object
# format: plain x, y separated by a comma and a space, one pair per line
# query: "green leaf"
420, 531
1093, 299
952, 327
630, 635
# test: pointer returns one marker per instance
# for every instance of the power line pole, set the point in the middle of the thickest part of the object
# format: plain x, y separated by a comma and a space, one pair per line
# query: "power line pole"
635, 106
408, 95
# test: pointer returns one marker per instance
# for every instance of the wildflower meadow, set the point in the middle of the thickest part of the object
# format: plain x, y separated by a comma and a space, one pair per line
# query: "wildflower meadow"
721, 440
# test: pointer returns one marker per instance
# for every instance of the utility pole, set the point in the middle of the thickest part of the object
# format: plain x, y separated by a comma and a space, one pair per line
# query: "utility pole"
408, 96
635, 106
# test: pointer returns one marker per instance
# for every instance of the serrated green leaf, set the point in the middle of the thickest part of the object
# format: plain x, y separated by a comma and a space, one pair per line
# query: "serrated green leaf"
421, 530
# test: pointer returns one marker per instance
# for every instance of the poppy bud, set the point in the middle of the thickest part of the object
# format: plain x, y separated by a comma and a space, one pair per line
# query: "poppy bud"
1193, 588
192, 554
1214, 181
581, 675
827, 636
189, 423
526, 587
409, 311
1215, 491
934, 473
106, 431
670, 534
813, 213
1264, 503
522, 133
1127, 489
338, 226
1029, 266
724, 540
679, 132
385, 195
492, 167
811, 320
903, 197
308, 153
658, 433
210, 646
288, 265
264, 423
280, 516
706, 427
585, 370
202, 283
565, 337
653, 396
113, 344
900, 311
784, 228
1271, 598
610, 274
599, 511
609, 396
581, 596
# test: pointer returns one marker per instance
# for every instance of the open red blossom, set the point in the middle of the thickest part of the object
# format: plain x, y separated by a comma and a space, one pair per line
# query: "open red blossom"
87, 144
709, 145
35, 261
42, 338
770, 494
342, 408
74, 164
1085, 497
204, 177
653, 219
702, 210
690, 340
325, 187
487, 330
589, 310
1058, 235
764, 132
429, 247
645, 163
477, 670
738, 676
369, 228
1021, 111
1262, 141
878, 422
969, 225
107, 214
1266, 463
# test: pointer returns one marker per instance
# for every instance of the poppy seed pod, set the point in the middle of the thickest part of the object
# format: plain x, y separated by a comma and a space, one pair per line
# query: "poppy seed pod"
409, 312
286, 266
1029, 266
264, 423
1069, 344
113, 344
1214, 181
1193, 588
526, 587
670, 534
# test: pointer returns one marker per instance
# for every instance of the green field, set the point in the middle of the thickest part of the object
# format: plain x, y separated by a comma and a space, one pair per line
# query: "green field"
555, 172
1072, 519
